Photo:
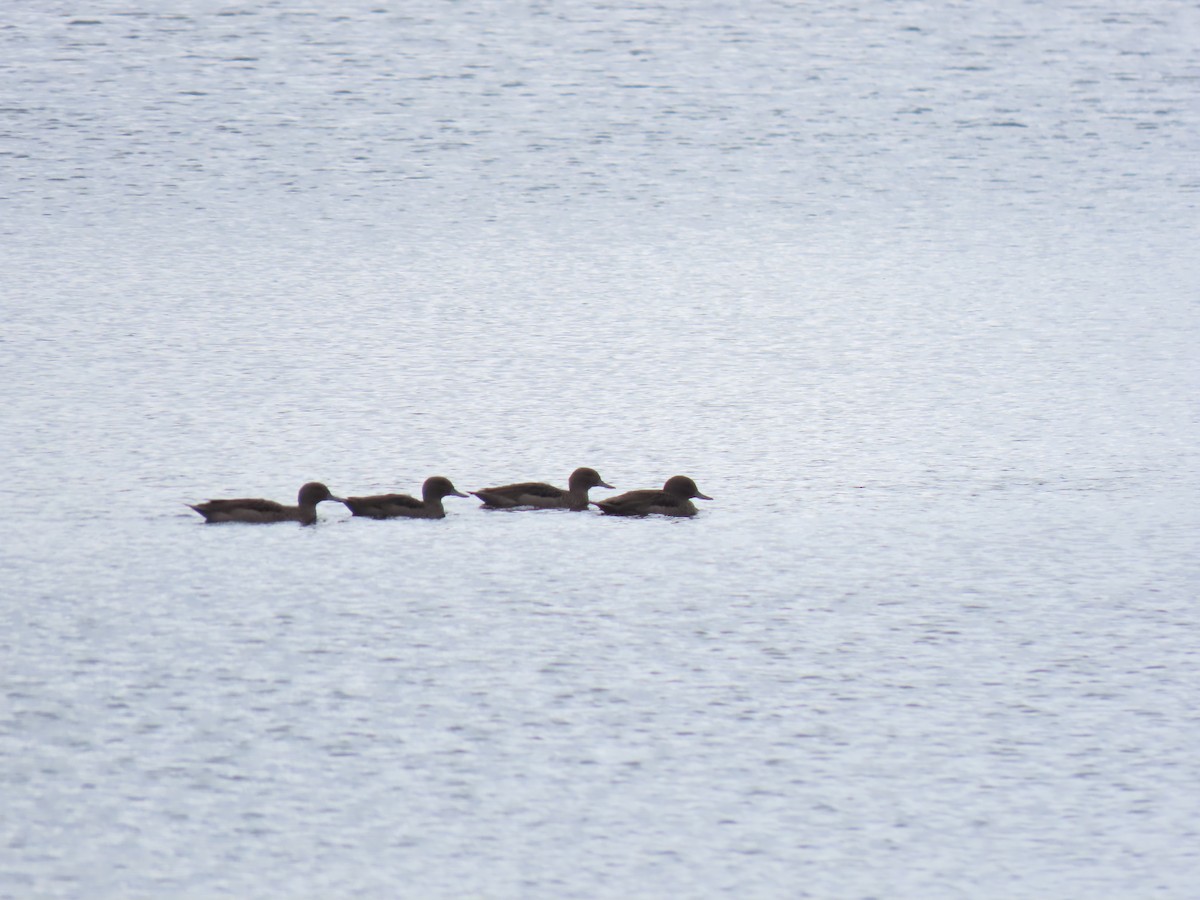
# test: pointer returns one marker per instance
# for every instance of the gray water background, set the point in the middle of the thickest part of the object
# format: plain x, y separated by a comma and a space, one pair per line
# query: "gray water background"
910, 289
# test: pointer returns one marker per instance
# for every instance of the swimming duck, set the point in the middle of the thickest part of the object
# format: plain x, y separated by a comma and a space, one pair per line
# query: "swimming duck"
391, 506
258, 511
538, 495
675, 499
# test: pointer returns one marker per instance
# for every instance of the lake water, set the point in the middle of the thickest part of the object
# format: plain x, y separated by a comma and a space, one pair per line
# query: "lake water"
909, 289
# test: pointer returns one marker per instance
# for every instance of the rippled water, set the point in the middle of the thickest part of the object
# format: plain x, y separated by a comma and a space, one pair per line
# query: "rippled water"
909, 289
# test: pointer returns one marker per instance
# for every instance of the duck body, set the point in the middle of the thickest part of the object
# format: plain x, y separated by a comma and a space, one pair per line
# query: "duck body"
539, 495
402, 506
675, 499
256, 511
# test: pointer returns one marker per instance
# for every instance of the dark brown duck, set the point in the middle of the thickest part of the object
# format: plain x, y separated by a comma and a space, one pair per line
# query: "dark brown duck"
539, 495
675, 499
396, 506
255, 510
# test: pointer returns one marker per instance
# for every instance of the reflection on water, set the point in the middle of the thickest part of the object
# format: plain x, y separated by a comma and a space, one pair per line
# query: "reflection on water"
908, 292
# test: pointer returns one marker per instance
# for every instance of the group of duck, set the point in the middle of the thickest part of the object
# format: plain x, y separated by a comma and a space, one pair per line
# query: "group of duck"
674, 499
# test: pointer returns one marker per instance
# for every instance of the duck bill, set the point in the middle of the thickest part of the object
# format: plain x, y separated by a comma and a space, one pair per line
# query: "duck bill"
459, 494
605, 484
338, 499
703, 496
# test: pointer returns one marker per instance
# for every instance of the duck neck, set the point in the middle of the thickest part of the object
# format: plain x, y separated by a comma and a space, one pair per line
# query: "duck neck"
577, 498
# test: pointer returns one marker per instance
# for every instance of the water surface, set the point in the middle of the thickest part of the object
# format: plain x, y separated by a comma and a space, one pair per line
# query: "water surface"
909, 291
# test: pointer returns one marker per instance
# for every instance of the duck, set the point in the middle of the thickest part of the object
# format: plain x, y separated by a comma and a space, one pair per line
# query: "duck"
675, 499
396, 506
538, 495
255, 510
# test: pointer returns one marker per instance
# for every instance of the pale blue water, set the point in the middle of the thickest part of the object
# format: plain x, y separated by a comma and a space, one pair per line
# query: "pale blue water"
910, 290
